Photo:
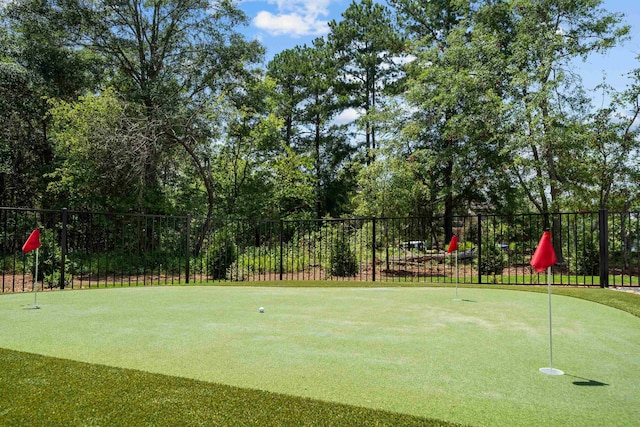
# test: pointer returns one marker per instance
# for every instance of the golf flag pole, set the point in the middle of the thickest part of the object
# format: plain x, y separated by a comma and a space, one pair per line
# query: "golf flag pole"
453, 247
33, 243
35, 283
543, 258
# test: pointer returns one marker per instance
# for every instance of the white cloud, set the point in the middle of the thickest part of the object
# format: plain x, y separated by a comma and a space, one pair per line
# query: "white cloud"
296, 18
291, 24
349, 115
316, 7
623, 116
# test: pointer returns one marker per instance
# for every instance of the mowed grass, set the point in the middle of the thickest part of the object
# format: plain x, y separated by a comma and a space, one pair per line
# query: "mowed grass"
317, 356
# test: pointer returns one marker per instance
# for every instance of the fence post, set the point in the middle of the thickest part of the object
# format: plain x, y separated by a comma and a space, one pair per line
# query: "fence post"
479, 247
187, 266
281, 248
603, 224
373, 248
63, 247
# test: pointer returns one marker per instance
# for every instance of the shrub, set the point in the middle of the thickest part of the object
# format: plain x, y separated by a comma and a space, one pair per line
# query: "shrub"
343, 260
492, 261
49, 260
220, 256
586, 257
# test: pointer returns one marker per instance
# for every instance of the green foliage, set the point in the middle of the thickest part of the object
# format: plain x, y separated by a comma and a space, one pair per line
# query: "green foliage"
365, 44
50, 257
293, 187
547, 137
492, 260
11, 264
99, 165
220, 256
391, 186
486, 113
306, 79
37, 62
343, 261
584, 255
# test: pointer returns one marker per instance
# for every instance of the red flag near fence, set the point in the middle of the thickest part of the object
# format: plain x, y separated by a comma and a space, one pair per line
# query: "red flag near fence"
453, 245
33, 242
544, 256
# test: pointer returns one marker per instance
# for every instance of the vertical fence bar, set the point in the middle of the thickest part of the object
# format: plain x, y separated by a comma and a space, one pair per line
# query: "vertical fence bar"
187, 266
63, 247
479, 248
281, 267
373, 249
594, 224
603, 223
625, 255
635, 246
114, 247
4, 246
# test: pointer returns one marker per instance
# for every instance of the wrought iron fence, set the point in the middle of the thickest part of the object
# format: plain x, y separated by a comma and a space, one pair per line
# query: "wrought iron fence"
89, 249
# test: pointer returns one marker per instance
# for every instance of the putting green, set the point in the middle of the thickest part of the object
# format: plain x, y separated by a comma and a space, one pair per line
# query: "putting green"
409, 350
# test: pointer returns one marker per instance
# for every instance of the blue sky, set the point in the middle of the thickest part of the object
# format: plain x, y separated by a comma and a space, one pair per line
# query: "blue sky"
283, 24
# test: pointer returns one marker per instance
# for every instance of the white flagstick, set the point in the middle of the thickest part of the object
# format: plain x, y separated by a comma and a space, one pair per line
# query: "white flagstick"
456, 298
550, 370
35, 284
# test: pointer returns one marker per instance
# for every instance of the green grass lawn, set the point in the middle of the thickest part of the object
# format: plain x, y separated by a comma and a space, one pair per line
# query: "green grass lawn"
319, 356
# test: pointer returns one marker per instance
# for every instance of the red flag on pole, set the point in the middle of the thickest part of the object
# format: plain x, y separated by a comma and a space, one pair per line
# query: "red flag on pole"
544, 256
33, 242
453, 245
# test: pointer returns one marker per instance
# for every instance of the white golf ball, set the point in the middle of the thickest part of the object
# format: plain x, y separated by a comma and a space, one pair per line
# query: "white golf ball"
261, 309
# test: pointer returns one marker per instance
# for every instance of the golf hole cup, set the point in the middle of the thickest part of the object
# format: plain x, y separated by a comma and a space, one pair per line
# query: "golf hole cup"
261, 309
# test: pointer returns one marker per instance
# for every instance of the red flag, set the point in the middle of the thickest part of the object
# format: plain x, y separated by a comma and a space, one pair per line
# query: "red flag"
33, 242
453, 245
544, 256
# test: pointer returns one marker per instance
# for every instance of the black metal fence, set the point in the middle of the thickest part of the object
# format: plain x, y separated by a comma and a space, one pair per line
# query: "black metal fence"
89, 249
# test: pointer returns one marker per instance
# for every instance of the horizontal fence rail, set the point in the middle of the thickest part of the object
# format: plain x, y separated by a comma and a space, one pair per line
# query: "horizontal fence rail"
89, 249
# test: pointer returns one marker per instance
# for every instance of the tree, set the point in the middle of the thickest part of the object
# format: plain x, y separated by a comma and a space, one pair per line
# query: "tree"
101, 151
171, 57
390, 188
256, 173
24, 151
547, 103
306, 83
289, 70
607, 144
455, 89
36, 63
365, 46
43, 44
546, 97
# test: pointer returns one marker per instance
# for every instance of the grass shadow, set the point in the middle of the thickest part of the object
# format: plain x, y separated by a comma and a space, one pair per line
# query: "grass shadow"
585, 382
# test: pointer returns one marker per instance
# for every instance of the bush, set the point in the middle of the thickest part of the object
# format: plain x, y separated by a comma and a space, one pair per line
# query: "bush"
343, 260
492, 261
586, 259
220, 256
49, 260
